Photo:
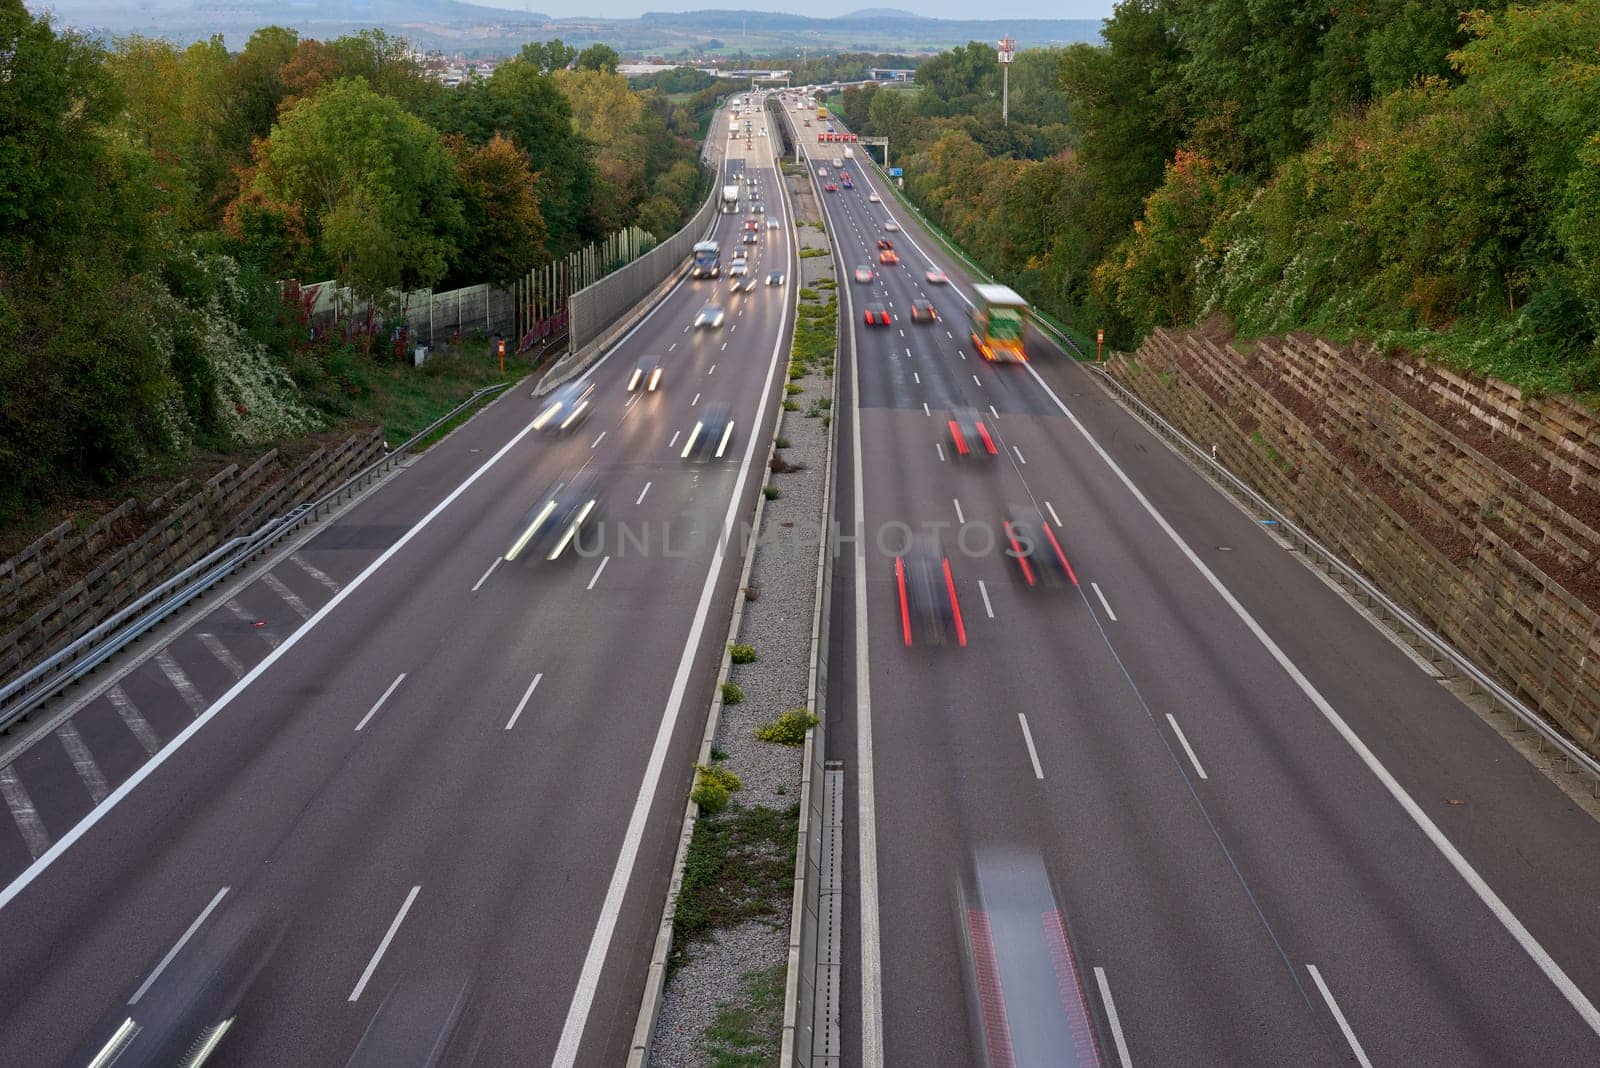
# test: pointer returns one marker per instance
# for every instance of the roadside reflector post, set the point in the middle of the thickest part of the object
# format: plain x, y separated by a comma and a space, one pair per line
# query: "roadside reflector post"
1099, 342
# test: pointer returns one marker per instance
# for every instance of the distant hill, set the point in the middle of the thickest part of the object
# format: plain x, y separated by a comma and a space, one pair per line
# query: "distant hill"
472, 28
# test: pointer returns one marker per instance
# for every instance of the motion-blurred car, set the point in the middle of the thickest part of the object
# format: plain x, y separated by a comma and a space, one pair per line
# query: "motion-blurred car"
556, 517
709, 317
926, 590
1032, 544
889, 256
936, 277
822, 172
751, 237
569, 405
923, 311
830, 188
711, 434
885, 243
892, 226
864, 273
739, 267
969, 433
774, 278
772, 224
646, 374
759, 209
873, 198
876, 315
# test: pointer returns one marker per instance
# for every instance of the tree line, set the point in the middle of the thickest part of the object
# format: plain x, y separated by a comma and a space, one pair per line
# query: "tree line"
1401, 170
152, 197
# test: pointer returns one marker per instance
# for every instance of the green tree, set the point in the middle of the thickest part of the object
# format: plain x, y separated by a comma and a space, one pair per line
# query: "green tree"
599, 57
504, 232
547, 56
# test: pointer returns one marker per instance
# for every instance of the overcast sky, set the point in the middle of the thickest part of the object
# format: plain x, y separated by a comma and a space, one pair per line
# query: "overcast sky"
944, 9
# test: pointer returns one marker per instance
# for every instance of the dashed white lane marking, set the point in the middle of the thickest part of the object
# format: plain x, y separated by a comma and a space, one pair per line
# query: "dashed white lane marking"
1186, 747
180, 682
134, 719
940, 449
713, 370
223, 654
292, 599
1033, 754
485, 576
316, 572
949, 335
993, 412
244, 617
1112, 1018
1338, 1014
925, 410
1020, 458
988, 609
959, 517
1052, 510
695, 402
94, 780
526, 695
724, 347
393, 686
672, 346
596, 578
674, 440
22, 810
598, 440
642, 492
917, 377
372, 965
975, 379
1103, 602
144, 987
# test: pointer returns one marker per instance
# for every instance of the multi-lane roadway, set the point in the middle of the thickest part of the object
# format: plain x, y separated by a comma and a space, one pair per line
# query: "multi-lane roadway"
1182, 805
394, 794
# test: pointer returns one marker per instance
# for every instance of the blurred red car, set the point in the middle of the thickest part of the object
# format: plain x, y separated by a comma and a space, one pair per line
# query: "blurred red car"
876, 315
830, 188
888, 255
923, 310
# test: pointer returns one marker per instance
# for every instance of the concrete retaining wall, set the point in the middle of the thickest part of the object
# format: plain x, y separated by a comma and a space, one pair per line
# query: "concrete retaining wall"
1390, 465
66, 582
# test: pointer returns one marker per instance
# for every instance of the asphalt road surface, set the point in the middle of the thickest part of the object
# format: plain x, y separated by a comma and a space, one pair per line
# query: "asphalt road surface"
1181, 805
395, 795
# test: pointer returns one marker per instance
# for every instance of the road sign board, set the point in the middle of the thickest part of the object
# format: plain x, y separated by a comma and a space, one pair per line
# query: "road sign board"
895, 172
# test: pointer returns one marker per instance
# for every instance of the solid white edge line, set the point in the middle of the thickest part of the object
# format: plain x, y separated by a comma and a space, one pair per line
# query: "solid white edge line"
398, 679
377, 955
596, 577
1187, 748
987, 607
1103, 602
486, 574
1033, 754
148, 768
1112, 1018
526, 695
1338, 1014
144, 987
567, 1048
1523, 937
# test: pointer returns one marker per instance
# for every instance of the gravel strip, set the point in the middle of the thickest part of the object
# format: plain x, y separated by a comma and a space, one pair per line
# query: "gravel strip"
778, 623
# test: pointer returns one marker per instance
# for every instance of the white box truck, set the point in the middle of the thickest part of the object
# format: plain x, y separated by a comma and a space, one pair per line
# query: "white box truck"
730, 198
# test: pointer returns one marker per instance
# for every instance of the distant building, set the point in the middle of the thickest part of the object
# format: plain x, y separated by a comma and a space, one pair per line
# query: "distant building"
890, 74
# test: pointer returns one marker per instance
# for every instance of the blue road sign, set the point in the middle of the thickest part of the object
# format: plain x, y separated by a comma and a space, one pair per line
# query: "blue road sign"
895, 172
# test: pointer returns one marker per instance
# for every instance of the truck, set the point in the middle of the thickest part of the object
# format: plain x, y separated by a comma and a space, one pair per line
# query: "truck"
707, 260
730, 198
822, 113
996, 324
849, 153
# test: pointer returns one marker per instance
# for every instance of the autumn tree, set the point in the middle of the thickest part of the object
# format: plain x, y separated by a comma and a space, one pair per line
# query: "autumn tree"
504, 233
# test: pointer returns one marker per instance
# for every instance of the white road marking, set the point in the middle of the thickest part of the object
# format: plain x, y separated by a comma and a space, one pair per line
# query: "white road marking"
724, 347
674, 440
993, 412
642, 492
949, 335
975, 379
603, 562
963, 355
526, 694
292, 599
713, 370
598, 440
144, 987
315, 572
180, 682
925, 410
1033, 754
917, 377
1338, 1014
611, 909
245, 617
1020, 458
908, 354
393, 686
672, 346
372, 965
1187, 748
987, 607
94, 780
631, 402
134, 719
1052, 510
1103, 602
1485, 893
22, 810
696, 401
1113, 1019
223, 654
959, 517
485, 576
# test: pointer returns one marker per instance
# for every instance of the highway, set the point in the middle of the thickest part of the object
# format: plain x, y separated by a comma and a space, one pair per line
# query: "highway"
1183, 806
394, 796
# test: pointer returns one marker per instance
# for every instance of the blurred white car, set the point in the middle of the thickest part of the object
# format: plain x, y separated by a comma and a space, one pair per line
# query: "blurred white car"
873, 198
738, 268
710, 317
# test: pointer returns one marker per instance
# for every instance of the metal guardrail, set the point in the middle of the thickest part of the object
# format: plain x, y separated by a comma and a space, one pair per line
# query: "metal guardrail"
63, 668
1576, 759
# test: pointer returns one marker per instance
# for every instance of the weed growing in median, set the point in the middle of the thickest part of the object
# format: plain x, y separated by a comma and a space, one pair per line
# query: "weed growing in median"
742, 654
789, 728
740, 866
771, 492
790, 406
748, 1029
732, 694
713, 787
